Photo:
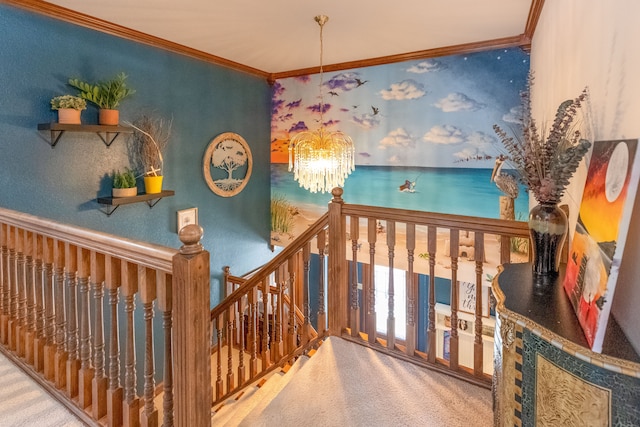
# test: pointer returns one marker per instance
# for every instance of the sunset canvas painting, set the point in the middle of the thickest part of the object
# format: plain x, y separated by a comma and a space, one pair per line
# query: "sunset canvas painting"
599, 238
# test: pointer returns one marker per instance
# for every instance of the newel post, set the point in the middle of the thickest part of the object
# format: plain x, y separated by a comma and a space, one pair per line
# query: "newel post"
337, 286
191, 331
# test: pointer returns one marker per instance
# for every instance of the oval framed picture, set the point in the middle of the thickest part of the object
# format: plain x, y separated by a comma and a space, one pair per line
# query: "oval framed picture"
227, 164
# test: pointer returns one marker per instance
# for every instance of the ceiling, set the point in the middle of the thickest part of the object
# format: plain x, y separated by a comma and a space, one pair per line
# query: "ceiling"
280, 37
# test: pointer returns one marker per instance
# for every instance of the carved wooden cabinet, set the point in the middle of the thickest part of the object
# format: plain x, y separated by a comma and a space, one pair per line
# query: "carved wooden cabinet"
544, 372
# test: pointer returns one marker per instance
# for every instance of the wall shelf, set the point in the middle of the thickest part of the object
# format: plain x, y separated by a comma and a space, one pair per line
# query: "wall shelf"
108, 134
112, 203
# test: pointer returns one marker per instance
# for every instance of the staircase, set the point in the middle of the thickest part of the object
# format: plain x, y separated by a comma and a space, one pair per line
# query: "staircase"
346, 384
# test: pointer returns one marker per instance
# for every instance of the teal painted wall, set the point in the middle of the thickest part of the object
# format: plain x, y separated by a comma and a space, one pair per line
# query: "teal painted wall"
39, 54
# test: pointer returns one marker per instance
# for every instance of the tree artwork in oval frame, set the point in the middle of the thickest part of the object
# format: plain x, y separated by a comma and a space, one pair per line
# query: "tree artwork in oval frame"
227, 164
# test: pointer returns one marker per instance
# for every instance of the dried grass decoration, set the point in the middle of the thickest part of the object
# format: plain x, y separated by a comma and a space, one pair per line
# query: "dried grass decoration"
151, 136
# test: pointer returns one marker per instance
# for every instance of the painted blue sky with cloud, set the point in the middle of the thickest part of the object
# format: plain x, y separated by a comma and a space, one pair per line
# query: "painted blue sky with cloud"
431, 113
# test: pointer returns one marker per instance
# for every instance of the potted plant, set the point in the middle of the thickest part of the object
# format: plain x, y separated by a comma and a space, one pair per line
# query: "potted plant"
124, 184
545, 162
106, 95
69, 108
151, 136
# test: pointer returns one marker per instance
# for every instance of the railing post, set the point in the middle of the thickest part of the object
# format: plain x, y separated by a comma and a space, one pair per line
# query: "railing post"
191, 320
337, 292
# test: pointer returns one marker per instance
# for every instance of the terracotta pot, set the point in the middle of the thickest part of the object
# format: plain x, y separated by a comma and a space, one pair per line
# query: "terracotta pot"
124, 192
69, 116
153, 184
108, 117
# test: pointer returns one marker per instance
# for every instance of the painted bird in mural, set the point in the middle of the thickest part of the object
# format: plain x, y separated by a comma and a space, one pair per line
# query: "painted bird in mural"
360, 82
375, 110
505, 182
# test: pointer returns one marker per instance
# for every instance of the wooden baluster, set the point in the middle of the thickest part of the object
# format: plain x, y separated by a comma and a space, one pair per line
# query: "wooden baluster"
266, 353
131, 403
241, 342
60, 360
49, 310
478, 362
13, 285
22, 292
114, 393
71, 278
453, 340
253, 331
354, 319
164, 305
306, 258
230, 323
219, 383
322, 316
30, 330
412, 292
391, 320
86, 372
147, 285
432, 242
292, 341
5, 291
372, 231
279, 314
39, 285
99, 381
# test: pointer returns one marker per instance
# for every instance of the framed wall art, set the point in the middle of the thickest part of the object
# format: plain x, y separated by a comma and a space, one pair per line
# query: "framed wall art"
227, 164
600, 234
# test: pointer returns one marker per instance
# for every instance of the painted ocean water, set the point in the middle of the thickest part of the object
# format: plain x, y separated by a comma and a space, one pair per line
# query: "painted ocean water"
459, 191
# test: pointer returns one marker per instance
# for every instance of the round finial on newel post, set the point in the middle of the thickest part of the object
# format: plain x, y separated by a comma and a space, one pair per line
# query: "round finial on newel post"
190, 236
337, 195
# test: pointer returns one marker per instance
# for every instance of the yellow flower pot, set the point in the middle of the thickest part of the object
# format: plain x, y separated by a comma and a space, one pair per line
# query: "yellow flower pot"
153, 184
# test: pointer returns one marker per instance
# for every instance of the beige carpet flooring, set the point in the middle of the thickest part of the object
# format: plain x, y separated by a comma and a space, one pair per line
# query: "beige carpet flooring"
24, 403
345, 384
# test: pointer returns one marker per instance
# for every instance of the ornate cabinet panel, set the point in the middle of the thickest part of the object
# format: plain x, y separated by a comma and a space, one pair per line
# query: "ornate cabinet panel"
545, 374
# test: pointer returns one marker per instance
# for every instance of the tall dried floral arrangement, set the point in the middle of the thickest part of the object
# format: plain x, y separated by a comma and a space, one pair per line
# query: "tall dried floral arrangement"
151, 135
545, 162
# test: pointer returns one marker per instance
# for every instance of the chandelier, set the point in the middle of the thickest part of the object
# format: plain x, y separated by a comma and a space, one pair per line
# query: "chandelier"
321, 160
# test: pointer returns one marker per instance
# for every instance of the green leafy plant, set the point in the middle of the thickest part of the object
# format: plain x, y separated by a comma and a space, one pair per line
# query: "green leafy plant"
126, 179
68, 101
105, 95
546, 161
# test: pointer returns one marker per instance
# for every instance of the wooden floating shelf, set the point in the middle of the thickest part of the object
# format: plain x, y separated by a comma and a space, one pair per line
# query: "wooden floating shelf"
114, 202
108, 134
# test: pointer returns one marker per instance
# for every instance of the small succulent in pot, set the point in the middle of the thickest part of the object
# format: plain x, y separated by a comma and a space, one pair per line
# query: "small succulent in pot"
68, 101
126, 179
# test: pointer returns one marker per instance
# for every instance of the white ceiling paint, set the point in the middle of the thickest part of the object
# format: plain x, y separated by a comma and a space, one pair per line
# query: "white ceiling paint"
281, 35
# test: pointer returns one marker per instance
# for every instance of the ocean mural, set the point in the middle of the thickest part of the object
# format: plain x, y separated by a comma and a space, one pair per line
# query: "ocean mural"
422, 131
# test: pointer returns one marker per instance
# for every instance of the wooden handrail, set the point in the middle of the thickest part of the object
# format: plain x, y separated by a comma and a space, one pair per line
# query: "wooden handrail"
141, 253
269, 267
460, 222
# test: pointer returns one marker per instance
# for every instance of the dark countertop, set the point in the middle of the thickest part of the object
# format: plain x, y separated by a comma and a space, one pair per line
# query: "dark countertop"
548, 305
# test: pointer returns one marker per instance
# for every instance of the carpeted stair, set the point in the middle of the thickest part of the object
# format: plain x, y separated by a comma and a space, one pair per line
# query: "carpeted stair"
345, 384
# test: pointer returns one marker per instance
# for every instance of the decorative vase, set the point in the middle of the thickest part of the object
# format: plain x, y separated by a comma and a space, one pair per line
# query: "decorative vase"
548, 228
124, 192
108, 117
69, 116
153, 184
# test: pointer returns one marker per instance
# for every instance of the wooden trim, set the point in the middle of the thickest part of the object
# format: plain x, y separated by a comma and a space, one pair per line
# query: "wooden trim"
83, 20
505, 42
532, 20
